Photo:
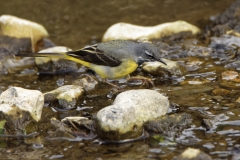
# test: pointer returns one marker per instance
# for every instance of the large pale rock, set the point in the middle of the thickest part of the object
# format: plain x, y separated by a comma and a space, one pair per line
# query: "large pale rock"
21, 28
18, 105
133, 32
64, 97
125, 117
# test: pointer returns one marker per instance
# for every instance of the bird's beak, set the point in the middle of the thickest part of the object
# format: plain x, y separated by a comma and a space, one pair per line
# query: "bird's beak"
160, 60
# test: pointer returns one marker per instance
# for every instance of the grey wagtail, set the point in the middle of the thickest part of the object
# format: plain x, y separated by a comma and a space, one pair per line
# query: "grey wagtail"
111, 60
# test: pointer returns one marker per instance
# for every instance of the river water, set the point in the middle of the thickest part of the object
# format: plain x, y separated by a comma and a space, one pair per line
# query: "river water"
78, 23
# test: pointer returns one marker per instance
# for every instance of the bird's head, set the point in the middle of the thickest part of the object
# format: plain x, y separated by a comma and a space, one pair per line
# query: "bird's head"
149, 52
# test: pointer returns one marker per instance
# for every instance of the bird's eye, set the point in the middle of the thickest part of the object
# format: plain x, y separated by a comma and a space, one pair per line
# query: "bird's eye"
149, 54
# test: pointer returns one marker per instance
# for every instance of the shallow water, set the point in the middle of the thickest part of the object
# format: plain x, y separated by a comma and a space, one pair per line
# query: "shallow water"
76, 24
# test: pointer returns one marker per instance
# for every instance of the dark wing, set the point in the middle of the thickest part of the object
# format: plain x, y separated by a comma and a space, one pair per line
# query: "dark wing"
94, 55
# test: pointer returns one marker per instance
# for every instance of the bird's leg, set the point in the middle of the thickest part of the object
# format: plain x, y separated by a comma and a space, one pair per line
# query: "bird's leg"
145, 81
111, 84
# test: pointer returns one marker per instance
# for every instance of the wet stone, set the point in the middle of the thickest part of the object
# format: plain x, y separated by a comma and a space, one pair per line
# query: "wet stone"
170, 125
235, 64
230, 105
238, 100
195, 82
220, 92
229, 75
193, 65
65, 97
217, 98
87, 82
125, 117
193, 154
20, 106
230, 85
159, 69
193, 89
59, 129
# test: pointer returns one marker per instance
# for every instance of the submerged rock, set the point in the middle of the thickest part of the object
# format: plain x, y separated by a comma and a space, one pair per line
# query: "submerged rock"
193, 154
170, 125
12, 65
59, 129
221, 92
125, 117
65, 97
79, 122
19, 106
229, 75
72, 129
133, 32
87, 82
10, 46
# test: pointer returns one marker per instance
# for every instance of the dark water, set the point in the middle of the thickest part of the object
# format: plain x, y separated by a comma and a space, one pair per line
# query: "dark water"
77, 23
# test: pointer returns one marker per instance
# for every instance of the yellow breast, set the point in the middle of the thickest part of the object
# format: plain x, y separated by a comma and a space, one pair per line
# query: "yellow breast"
124, 69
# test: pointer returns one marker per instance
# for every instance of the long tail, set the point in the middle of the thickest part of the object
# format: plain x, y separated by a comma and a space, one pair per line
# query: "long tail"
52, 55
56, 55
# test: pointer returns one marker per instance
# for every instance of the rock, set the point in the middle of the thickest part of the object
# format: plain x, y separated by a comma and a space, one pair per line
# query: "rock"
87, 82
228, 21
195, 82
230, 85
59, 130
193, 154
10, 46
225, 42
224, 48
221, 92
79, 123
20, 28
159, 69
170, 125
19, 106
238, 100
235, 64
232, 76
193, 65
133, 32
72, 129
13, 65
125, 117
64, 97
3, 70
55, 65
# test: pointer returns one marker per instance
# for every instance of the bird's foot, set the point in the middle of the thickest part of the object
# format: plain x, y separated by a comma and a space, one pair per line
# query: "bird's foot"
145, 81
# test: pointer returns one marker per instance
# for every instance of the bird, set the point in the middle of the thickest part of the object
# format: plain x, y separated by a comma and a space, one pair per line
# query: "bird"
112, 59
